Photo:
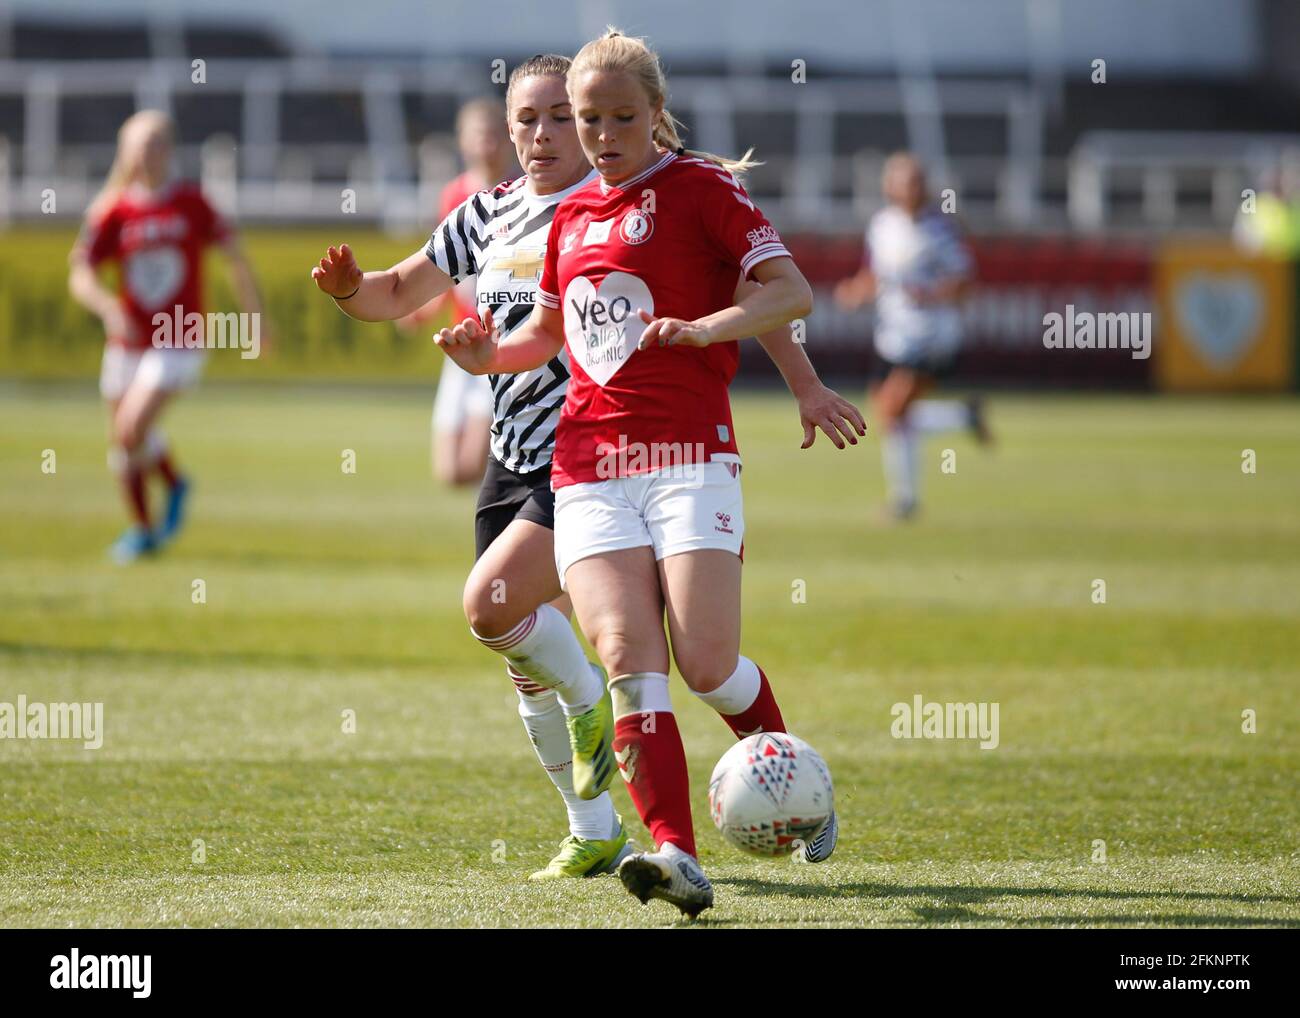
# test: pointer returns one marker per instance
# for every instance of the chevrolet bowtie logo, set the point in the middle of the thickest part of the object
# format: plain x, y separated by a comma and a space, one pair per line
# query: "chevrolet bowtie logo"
522, 264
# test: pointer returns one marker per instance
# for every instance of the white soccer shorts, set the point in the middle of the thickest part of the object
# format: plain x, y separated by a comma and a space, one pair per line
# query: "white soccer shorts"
460, 397
671, 511
165, 369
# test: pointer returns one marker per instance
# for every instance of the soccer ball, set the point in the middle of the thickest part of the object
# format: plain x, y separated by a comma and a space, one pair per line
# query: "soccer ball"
768, 792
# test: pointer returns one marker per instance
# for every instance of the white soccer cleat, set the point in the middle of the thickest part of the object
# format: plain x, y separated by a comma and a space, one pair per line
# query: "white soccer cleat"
670, 875
821, 847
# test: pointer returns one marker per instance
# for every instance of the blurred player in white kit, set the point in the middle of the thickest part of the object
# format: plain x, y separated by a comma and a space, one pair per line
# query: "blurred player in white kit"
917, 271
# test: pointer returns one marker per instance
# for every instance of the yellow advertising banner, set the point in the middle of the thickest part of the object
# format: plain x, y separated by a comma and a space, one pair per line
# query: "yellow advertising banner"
1227, 319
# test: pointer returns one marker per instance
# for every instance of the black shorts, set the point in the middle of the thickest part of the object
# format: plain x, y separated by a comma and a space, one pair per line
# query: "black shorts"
507, 496
936, 366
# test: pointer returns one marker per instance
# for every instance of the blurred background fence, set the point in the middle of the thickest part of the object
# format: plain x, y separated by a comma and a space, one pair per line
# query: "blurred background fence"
1100, 153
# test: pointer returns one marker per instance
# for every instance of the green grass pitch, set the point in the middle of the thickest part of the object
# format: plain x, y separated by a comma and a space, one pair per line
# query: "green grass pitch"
329, 592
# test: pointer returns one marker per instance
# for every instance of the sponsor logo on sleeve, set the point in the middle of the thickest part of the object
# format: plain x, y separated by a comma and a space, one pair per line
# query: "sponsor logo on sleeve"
765, 234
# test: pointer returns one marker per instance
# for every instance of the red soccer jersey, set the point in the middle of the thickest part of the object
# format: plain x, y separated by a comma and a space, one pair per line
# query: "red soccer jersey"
159, 239
456, 191
673, 240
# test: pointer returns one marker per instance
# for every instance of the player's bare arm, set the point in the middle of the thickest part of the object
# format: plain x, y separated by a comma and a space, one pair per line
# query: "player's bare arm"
379, 296
819, 405
90, 293
858, 289
783, 296
241, 276
244, 282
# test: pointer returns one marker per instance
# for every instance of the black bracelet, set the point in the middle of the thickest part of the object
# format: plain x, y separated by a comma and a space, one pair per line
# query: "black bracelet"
351, 295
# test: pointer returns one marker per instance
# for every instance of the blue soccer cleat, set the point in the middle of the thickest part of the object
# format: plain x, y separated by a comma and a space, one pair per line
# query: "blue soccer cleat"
174, 518
134, 542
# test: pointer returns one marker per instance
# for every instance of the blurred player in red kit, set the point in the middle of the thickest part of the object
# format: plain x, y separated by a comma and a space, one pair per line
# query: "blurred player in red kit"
156, 228
462, 409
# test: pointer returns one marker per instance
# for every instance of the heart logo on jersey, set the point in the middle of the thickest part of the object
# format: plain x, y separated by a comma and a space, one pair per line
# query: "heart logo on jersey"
154, 276
1221, 313
601, 323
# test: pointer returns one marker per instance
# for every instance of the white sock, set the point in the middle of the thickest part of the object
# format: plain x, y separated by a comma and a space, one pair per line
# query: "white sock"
738, 692
544, 721
643, 693
544, 648
898, 449
931, 415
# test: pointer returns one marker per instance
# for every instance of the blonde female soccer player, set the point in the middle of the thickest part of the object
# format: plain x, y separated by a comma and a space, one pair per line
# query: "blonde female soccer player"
156, 228
529, 627
646, 470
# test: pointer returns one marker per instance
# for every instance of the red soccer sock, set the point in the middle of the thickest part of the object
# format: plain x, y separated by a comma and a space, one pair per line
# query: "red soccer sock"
763, 715
652, 760
163, 464
137, 499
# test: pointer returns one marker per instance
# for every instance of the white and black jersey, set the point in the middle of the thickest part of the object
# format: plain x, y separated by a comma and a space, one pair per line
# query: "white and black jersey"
499, 236
906, 252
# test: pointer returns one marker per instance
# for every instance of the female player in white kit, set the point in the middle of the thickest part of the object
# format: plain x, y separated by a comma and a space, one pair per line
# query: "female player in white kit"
917, 270
640, 282
499, 237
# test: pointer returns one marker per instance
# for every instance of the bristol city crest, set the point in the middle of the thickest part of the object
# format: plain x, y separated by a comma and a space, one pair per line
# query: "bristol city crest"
636, 227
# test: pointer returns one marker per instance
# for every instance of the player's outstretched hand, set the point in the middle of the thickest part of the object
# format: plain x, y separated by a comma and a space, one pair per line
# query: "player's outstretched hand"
825, 408
670, 332
470, 343
338, 273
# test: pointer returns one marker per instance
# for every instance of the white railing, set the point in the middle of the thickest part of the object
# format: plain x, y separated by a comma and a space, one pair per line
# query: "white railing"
821, 186
818, 187
1161, 165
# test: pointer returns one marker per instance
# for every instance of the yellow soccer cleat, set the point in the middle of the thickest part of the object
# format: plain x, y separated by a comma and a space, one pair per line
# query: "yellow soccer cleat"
591, 737
587, 857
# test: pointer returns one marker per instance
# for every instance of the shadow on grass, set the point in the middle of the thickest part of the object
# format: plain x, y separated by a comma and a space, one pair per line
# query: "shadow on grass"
953, 902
